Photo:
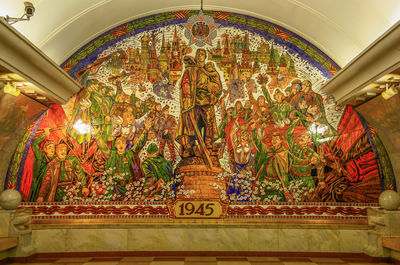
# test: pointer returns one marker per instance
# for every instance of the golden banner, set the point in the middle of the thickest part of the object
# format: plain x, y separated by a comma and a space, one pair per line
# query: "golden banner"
197, 209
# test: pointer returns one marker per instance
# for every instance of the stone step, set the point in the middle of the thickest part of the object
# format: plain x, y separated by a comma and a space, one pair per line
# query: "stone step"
392, 242
8, 242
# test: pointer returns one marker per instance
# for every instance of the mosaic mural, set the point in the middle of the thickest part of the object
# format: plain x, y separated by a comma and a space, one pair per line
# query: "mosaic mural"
206, 109
12, 119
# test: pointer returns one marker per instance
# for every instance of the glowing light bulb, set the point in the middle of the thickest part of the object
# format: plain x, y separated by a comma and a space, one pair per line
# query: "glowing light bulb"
82, 127
319, 129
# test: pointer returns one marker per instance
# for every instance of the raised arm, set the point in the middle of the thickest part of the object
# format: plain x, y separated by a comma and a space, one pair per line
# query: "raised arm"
267, 95
233, 134
257, 143
35, 146
251, 98
140, 143
100, 142
289, 133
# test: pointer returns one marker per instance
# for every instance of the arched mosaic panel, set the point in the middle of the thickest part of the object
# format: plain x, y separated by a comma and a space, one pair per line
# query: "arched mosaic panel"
201, 114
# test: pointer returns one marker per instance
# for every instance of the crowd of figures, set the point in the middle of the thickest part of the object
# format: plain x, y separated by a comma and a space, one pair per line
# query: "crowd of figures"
279, 146
97, 155
275, 143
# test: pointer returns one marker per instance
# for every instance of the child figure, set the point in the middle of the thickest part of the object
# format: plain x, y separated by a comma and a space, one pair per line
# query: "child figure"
214, 81
158, 172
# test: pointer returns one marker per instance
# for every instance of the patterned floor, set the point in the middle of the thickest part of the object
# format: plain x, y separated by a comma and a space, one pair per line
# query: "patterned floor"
237, 260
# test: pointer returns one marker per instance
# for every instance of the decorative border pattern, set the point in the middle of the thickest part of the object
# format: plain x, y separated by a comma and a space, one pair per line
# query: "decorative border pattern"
88, 53
102, 210
297, 212
336, 212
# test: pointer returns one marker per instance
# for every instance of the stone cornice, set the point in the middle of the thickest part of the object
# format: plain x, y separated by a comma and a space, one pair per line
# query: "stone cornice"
19, 55
380, 58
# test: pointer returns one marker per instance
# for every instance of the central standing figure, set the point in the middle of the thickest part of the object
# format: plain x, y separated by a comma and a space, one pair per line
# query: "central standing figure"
200, 89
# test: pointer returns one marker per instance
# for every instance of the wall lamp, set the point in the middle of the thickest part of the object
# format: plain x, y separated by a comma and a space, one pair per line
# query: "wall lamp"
390, 91
11, 89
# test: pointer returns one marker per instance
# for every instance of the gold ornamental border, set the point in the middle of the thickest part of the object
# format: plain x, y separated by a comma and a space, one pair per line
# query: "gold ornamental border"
149, 213
181, 223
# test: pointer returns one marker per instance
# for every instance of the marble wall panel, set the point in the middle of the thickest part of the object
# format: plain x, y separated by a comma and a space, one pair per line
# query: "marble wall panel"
51, 240
171, 239
82, 240
201, 239
323, 240
143, 239
263, 239
232, 239
353, 241
112, 240
293, 240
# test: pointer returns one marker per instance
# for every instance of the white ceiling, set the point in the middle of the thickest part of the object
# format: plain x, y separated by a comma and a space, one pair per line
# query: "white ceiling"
340, 28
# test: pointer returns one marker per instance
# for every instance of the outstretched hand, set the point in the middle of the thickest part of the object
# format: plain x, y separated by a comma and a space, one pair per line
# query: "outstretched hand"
148, 123
47, 131
85, 192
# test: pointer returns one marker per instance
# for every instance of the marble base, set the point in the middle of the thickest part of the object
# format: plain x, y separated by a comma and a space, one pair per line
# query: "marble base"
17, 223
384, 223
5, 216
200, 239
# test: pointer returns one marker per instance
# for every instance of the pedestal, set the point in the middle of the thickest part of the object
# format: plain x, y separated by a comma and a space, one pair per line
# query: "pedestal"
17, 223
385, 224
201, 182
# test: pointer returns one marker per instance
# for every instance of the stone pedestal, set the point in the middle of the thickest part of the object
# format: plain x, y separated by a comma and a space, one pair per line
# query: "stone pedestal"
385, 224
201, 182
17, 223
5, 217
